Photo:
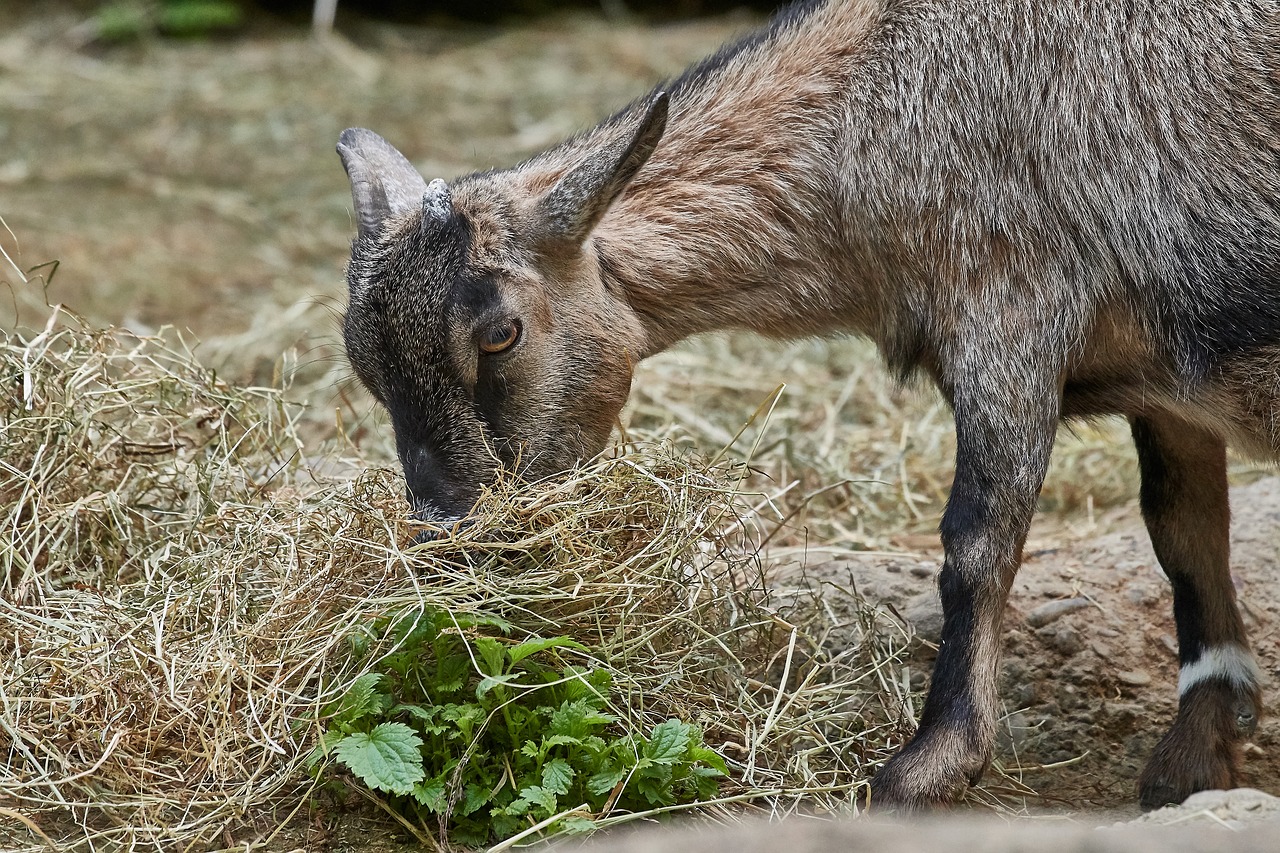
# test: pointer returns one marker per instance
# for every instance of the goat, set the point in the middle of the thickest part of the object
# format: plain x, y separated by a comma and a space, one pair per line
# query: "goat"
1054, 209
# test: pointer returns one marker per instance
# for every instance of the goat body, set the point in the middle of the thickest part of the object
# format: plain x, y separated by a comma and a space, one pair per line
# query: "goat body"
1052, 208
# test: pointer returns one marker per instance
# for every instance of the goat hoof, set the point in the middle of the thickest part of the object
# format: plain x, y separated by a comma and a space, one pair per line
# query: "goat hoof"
1202, 749
918, 780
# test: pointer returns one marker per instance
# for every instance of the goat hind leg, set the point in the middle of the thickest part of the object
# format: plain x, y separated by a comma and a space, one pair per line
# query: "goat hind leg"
1185, 504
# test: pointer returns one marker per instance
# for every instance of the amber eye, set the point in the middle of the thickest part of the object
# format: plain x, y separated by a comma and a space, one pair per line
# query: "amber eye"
500, 337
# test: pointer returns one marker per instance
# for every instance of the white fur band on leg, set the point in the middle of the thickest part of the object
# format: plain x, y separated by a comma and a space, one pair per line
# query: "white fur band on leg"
1229, 663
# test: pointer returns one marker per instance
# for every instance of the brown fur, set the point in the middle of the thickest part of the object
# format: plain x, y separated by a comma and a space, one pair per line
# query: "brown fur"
1052, 208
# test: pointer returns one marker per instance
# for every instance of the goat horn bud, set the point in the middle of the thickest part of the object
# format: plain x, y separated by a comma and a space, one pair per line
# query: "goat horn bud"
437, 206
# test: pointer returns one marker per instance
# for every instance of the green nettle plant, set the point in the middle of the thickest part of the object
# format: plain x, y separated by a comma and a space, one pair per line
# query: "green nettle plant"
486, 737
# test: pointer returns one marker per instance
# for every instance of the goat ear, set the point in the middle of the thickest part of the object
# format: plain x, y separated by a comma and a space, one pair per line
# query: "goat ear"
571, 208
383, 183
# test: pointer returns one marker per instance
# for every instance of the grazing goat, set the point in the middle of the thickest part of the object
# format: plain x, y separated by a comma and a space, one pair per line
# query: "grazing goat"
1053, 208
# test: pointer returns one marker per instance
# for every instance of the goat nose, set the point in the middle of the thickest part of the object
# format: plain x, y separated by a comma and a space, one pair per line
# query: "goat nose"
433, 492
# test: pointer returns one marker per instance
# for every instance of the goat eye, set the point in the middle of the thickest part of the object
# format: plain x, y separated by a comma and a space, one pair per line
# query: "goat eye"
500, 337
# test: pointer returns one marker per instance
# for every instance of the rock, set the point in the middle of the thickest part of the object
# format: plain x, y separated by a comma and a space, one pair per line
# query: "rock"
1054, 610
1066, 640
1014, 733
923, 570
1236, 808
924, 612
1134, 677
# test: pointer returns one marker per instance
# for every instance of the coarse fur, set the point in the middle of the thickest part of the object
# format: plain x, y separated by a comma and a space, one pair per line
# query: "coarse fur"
1052, 208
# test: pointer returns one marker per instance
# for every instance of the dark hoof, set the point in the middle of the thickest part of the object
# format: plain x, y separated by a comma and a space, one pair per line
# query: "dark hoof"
1201, 751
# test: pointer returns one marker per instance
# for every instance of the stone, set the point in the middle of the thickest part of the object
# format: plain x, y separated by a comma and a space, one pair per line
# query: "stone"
1134, 677
1054, 610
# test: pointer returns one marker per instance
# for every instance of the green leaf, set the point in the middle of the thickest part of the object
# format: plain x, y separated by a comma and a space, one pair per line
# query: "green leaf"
491, 681
540, 797
604, 782
492, 655
532, 647
361, 700
657, 790
324, 748
577, 718
577, 825
386, 759
669, 742
556, 776
474, 620
517, 807
431, 795
195, 17
706, 781
465, 717
564, 740
452, 665
473, 797
591, 684
709, 757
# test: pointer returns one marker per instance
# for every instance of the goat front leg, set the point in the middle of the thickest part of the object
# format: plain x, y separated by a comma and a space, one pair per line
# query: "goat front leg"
1184, 501
1005, 429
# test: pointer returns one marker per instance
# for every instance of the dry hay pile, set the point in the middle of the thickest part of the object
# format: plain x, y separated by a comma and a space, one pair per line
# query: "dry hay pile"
178, 581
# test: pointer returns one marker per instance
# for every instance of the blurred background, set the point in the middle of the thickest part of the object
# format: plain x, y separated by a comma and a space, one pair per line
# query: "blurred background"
171, 165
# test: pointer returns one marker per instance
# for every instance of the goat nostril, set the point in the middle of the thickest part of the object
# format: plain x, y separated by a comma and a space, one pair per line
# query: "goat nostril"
438, 529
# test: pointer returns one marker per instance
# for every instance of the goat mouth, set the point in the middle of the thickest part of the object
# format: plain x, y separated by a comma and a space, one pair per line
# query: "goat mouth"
437, 524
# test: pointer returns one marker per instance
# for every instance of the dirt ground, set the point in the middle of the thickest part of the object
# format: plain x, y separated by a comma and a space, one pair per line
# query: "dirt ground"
194, 184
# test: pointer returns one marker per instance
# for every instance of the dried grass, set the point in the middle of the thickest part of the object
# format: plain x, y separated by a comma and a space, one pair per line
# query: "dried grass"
180, 572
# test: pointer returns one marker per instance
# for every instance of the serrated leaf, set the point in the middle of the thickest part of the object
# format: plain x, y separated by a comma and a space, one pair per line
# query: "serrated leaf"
706, 782
577, 825
604, 782
541, 797
563, 740
452, 666
593, 685
517, 807
567, 719
464, 717
556, 776
669, 742
431, 795
594, 744
657, 791
491, 655
386, 759
577, 718
709, 757
358, 702
531, 647
473, 797
426, 715
477, 621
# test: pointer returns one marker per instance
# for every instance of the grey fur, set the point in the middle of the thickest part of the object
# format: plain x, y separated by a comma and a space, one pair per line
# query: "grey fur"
1051, 208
